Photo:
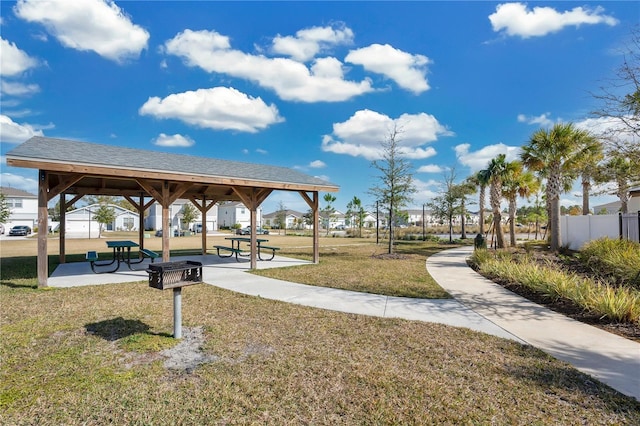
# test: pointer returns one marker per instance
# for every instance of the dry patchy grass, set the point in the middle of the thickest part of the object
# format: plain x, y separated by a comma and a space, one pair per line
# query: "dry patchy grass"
360, 267
67, 359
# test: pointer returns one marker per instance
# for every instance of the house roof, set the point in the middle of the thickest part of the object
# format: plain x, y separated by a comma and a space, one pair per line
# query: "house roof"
114, 170
15, 192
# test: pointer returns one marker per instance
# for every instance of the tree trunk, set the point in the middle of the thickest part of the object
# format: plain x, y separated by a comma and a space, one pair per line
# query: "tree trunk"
494, 197
463, 234
481, 207
586, 186
512, 221
390, 227
554, 187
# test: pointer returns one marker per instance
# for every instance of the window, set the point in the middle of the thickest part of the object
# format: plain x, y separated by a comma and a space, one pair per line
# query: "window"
127, 222
14, 202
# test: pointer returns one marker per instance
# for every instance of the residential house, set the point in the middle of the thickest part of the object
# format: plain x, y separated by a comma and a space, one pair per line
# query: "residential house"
23, 208
153, 220
81, 222
233, 212
293, 220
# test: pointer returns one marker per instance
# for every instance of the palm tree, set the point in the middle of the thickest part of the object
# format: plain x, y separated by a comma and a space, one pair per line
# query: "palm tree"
557, 154
620, 170
588, 169
481, 180
497, 169
518, 182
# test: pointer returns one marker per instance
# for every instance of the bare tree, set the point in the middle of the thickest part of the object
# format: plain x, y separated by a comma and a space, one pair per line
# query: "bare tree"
620, 102
395, 182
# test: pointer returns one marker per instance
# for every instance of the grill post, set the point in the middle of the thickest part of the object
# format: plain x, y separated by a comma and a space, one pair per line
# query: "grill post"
175, 275
177, 313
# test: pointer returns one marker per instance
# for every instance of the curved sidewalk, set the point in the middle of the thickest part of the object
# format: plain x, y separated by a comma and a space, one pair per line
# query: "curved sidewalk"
609, 358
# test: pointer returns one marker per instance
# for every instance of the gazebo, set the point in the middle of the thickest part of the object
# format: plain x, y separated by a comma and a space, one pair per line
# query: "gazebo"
75, 169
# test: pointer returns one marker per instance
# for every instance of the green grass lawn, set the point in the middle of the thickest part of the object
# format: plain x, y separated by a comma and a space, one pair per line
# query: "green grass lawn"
93, 355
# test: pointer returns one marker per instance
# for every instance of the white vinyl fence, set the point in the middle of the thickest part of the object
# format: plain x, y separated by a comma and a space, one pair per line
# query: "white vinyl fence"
578, 230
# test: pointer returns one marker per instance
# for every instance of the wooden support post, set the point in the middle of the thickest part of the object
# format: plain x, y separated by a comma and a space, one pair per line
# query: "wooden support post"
63, 225
43, 228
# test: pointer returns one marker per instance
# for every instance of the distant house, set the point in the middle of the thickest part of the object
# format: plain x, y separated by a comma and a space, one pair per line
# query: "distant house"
81, 222
23, 207
153, 220
231, 213
633, 204
293, 220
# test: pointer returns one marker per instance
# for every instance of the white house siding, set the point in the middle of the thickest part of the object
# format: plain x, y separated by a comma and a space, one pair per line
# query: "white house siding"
81, 223
153, 220
23, 207
233, 213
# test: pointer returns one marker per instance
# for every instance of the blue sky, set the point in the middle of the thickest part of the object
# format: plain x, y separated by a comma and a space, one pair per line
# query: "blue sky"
314, 86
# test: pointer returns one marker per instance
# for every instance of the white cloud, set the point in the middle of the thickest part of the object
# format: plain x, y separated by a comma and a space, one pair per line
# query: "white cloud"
604, 126
262, 151
426, 190
19, 182
9, 88
14, 61
289, 79
309, 42
407, 70
176, 140
96, 25
542, 120
13, 132
219, 108
362, 135
317, 164
516, 19
430, 168
478, 160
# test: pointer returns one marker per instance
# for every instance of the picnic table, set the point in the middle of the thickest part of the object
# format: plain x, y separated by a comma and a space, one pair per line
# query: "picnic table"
236, 251
121, 254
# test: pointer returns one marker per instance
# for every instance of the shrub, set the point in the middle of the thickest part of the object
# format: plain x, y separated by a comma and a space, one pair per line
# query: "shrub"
617, 259
617, 303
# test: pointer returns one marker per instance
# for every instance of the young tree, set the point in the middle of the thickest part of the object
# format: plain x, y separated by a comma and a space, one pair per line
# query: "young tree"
356, 212
104, 215
281, 217
464, 189
328, 211
189, 214
446, 205
106, 199
5, 212
395, 182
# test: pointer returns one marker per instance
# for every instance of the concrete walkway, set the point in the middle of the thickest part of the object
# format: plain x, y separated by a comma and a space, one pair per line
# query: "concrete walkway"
611, 359
479, 305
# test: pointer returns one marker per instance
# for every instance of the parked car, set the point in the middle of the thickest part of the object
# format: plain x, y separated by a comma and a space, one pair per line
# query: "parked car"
20, 230
175, 233
247, 231
1, 228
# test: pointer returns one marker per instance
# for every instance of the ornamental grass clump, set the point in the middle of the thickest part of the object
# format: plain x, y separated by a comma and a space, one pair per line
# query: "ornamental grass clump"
618, 260
618, 303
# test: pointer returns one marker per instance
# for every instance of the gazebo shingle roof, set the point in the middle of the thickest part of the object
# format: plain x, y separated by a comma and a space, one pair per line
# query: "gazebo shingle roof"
82, 153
